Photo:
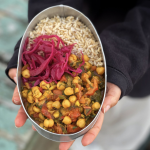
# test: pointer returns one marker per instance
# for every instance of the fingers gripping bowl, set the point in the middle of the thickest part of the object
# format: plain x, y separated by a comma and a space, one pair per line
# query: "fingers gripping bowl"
60, 75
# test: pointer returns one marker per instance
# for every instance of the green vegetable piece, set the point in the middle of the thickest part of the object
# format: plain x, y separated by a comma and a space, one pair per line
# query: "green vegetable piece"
74, 127
62, 97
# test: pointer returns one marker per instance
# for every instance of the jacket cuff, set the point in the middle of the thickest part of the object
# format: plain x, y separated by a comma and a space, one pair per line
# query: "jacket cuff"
12, 64
116, 77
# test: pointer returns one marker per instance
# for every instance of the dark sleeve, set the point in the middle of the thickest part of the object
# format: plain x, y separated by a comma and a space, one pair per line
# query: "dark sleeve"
127, 48
14, 59
34, 7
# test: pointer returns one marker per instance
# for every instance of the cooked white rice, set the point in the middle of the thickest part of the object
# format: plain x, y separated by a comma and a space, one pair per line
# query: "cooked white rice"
71, 30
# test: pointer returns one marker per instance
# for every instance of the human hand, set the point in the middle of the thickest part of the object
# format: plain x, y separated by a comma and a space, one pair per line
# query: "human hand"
21, 116
112, 96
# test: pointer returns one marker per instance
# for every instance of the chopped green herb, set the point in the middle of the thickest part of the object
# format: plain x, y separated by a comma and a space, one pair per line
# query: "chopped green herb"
60, 85
74, 127
33, 83
82, 68
62, 97
73, 86
97, 96
29, 90
91, 86
93, 115
39, 106
71, 64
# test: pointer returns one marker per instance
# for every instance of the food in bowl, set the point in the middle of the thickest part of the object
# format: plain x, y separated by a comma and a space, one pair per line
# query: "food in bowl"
62, 75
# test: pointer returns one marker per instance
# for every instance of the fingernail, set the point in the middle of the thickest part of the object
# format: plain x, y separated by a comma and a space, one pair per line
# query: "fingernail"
15, 79
16, 102
106, 108
17, 127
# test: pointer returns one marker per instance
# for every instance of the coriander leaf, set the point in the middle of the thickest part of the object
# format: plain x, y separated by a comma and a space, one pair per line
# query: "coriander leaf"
74, 127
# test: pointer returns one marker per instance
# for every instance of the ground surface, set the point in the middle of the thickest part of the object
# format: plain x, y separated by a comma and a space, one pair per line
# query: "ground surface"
12, 26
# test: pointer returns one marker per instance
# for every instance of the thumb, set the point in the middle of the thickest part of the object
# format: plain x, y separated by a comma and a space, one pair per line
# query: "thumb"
112, 96
12, 74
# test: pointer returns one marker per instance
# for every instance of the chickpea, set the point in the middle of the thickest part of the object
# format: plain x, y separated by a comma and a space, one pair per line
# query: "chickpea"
46, 95
40, 103
52, 83
51, 111
53, 87
74, 57
30, 99
72, 99
84, 76
76, 90
76, 80
36, 100
41, 116
41, 125
89, 73
77, 77
86, 58
44, 85
35, 88
72, 60
82, 116
30, 109
81, 123
68, 91
60, 85
87, 65
66, 103
48, 123
64, 111
27, 85
77, 103
56, 104
67, 120
100, 70
96, 106
49, 105
30, 93
36, 109
36, 92
25, 93
26, 73
56, 114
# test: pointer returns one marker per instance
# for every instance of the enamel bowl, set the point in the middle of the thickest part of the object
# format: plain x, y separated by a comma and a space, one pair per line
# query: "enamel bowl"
62, 11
